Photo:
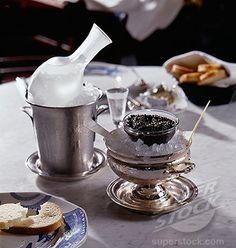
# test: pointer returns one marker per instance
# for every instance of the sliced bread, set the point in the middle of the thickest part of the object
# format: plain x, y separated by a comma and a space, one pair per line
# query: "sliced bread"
48, 219
212, 76
10, 214
178, 70
192, 77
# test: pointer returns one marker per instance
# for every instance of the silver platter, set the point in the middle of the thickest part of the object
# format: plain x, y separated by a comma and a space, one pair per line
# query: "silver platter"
33, 163
175, 193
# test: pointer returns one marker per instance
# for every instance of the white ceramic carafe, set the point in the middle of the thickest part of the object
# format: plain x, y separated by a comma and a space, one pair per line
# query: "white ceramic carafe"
58, 81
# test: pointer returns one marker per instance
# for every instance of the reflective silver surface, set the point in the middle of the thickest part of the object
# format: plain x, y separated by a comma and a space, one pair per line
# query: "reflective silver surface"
169, 196
34, 164
149, 172
65, 146
150, 184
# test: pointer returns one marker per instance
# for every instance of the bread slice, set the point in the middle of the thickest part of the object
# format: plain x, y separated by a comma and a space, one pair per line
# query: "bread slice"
212, 76
209, 67
178, 70
192, 77
10, 214
48, 219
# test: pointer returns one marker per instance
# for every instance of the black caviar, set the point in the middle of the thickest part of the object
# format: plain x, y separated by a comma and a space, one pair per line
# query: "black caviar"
149, 123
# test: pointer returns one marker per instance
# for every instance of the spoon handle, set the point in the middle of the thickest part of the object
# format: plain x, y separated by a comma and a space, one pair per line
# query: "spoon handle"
95, 127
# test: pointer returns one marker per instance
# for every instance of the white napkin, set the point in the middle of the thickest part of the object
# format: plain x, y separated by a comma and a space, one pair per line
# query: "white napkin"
144, 16
193, 58
56, 3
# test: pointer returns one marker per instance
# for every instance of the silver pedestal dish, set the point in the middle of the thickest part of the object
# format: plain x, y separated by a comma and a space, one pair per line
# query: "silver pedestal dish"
150, 184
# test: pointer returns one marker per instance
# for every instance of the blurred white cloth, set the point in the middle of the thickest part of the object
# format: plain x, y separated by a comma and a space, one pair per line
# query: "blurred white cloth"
56, 3
144, 16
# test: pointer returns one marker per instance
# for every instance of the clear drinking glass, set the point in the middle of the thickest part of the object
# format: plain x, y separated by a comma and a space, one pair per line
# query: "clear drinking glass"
117, 99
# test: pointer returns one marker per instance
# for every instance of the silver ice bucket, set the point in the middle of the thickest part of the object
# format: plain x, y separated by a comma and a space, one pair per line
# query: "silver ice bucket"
65, 146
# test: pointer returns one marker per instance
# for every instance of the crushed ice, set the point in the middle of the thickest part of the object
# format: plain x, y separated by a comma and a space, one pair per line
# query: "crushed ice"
124, 145
87, 94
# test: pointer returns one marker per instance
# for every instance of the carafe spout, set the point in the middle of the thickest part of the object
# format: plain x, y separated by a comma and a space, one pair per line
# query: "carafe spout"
95, 41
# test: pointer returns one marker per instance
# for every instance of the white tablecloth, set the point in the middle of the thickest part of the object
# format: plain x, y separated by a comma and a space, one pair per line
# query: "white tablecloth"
112, 226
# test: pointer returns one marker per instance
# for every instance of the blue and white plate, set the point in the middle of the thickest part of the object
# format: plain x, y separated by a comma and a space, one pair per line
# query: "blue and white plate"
72, 235
106, 76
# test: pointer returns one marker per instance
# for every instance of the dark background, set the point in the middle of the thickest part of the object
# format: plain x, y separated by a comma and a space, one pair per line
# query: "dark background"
31, 32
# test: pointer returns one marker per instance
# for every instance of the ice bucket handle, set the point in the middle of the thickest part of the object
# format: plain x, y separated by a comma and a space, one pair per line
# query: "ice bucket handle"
184, 167
28, 111
101, 109
94, 126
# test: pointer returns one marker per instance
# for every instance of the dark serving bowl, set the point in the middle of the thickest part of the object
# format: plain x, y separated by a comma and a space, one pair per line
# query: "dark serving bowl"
150, 125
200, 95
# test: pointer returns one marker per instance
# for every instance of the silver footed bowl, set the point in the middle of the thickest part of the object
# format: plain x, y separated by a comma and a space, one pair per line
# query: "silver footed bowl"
141, 164
151, 183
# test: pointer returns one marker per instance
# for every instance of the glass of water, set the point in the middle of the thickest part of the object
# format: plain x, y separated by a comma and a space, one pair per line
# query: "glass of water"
117, 99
